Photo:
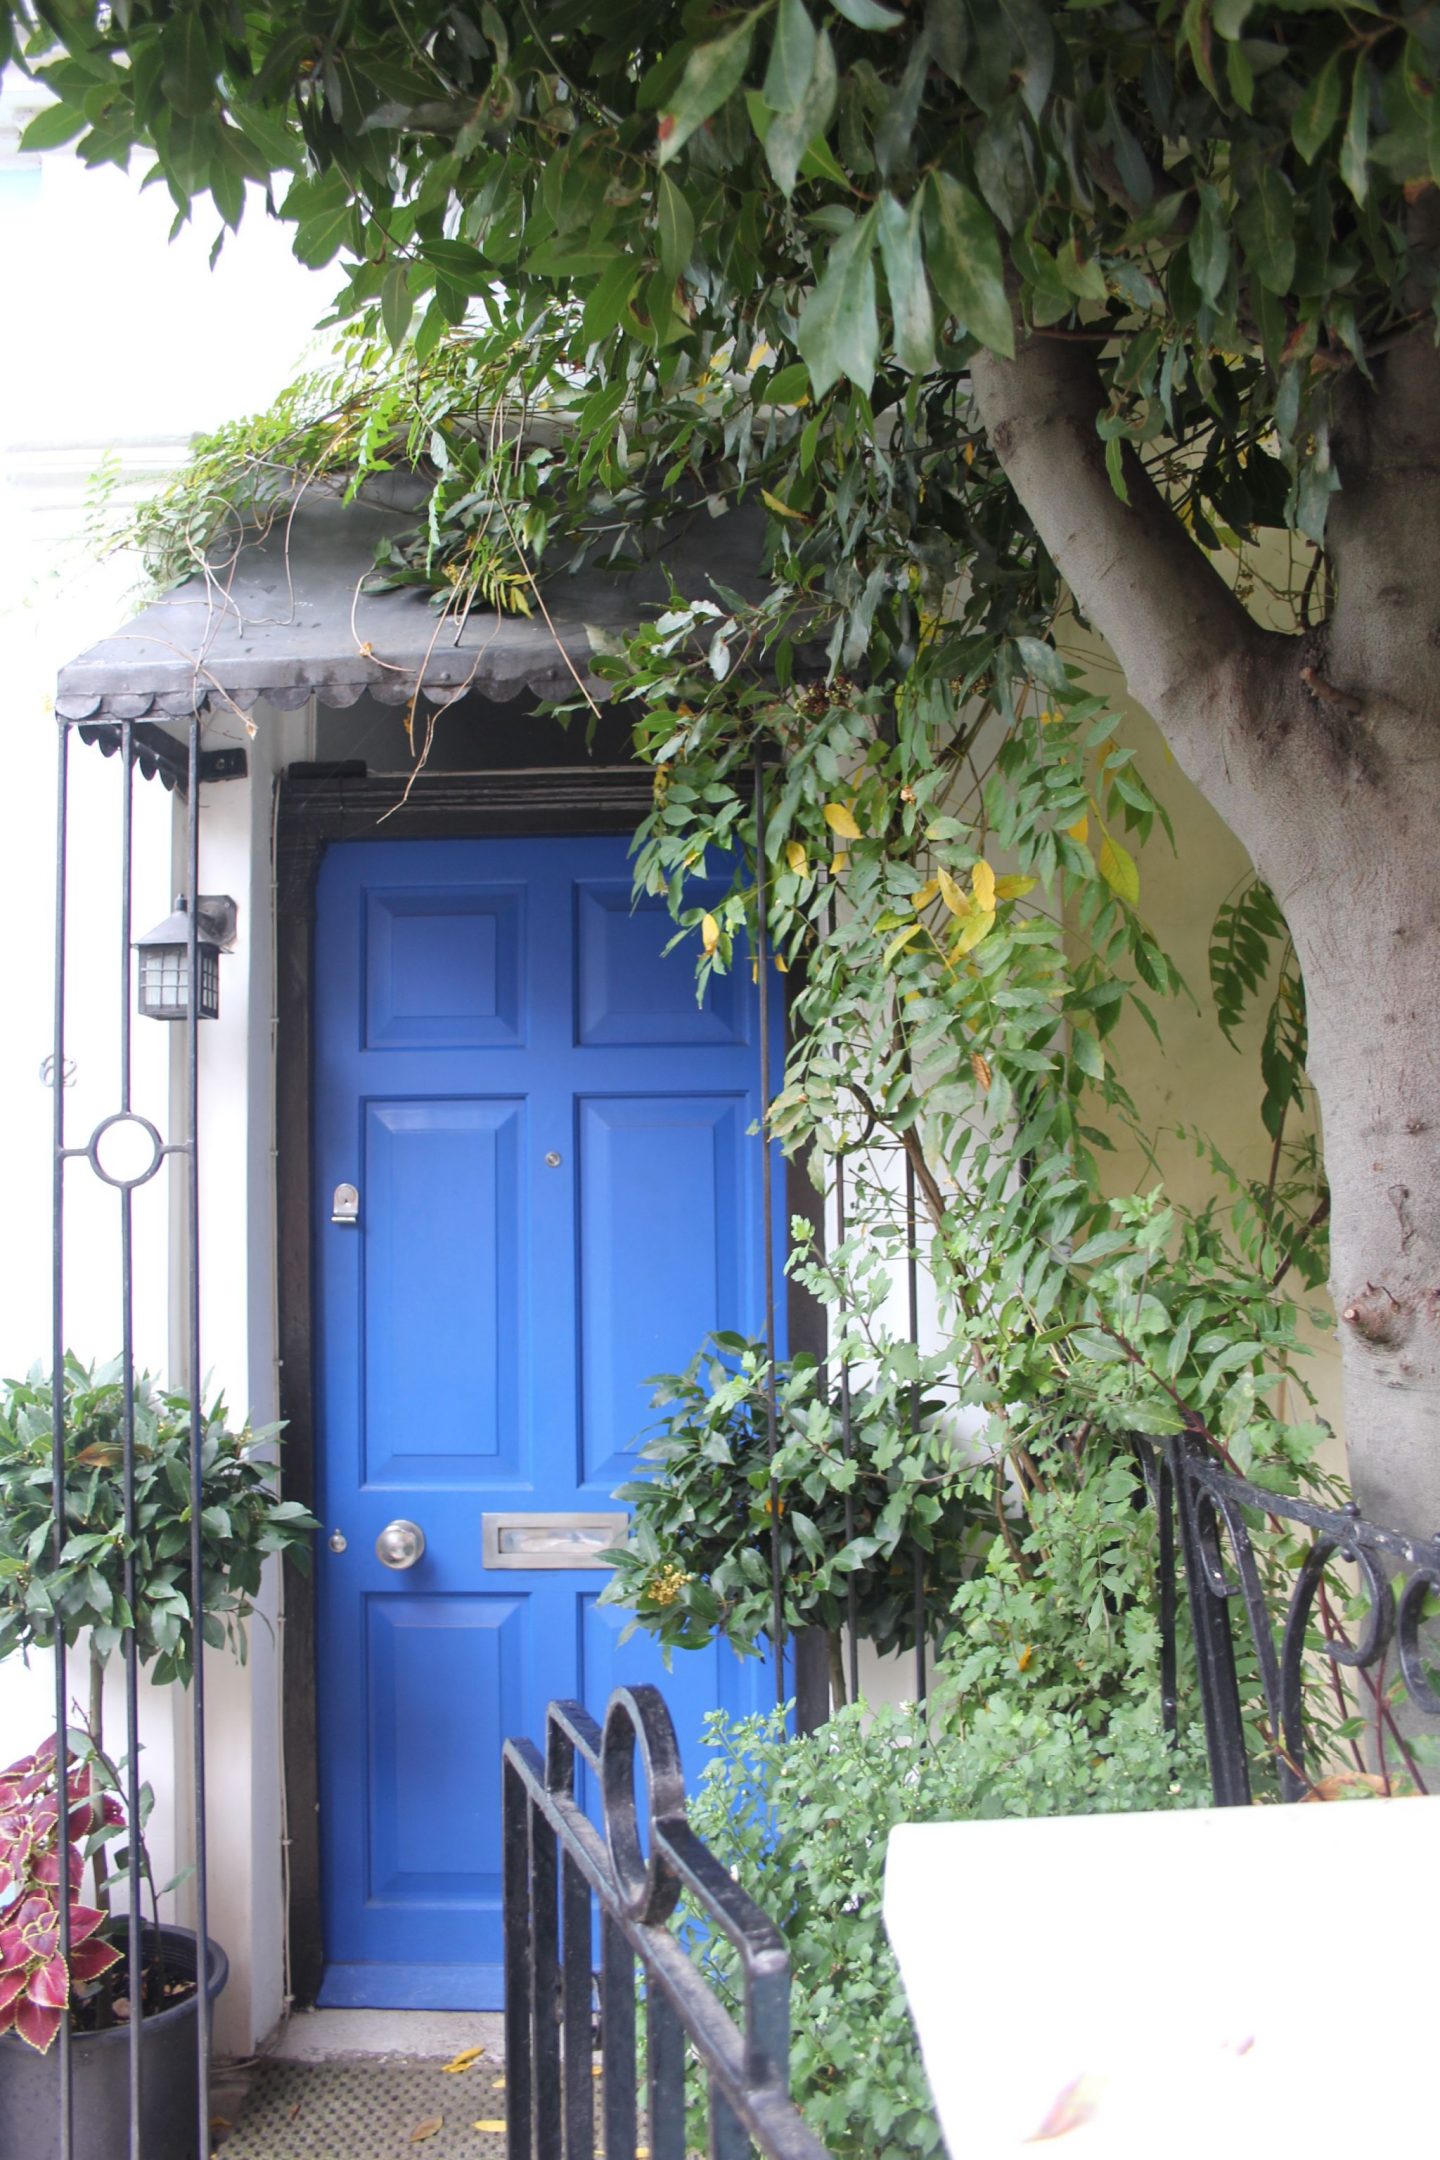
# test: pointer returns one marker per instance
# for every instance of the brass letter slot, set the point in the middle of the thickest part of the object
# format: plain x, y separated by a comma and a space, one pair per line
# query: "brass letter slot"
551, 1541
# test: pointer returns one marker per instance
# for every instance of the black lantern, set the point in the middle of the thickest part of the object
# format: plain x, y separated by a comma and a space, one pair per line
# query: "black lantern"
165, 959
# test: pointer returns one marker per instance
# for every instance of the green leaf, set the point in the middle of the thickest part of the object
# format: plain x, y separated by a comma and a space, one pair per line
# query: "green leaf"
900, 252
1317, 111
1115, 467
396, 304
792, 58
790, 135
49, 129
675, 225
1209, 250
1081, 275
188, 63
713, 71
868, 14
839, 332
1355, 146
1266, 225
325, 215
963, 254
607, 302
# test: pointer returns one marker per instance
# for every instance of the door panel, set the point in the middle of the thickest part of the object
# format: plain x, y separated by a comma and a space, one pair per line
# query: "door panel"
559, 1196
451, 1166
660, 1252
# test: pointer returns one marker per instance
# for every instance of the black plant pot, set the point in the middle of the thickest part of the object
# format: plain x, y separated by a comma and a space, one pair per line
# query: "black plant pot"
169, 2078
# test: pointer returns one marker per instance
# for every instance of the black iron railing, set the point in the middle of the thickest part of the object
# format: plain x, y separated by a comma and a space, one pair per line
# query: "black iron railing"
1206, 1513
87, 1155
559, 1871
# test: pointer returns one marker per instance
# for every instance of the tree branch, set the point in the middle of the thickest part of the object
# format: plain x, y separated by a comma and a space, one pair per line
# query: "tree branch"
1189, 651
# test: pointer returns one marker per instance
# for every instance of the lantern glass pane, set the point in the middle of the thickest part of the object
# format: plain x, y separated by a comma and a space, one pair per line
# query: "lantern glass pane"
165, 982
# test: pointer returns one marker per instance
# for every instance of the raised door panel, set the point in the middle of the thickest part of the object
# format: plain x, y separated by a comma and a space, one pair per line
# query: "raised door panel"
628, 993
443, 1693
442, 1274
443, 968
662, 1218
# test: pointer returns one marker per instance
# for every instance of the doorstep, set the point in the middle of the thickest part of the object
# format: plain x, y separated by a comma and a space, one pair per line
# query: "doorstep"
331, 2074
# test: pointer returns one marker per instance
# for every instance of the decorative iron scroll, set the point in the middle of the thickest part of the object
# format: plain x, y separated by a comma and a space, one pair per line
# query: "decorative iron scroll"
558, 1869
1209, 1506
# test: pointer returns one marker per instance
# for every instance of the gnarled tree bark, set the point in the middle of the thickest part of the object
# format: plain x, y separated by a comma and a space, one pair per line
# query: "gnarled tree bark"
1321, 751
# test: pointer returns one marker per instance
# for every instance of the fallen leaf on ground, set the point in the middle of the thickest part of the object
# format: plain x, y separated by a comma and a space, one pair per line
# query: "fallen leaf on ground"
463, 2060
490, 2122
221, 2122
497, 2084
427, 2129
296, 2109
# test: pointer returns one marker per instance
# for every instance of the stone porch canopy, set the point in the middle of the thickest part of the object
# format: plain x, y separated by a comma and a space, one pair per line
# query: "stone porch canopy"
298, 611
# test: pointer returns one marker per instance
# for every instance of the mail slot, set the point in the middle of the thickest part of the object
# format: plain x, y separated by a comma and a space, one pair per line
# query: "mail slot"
551, 1541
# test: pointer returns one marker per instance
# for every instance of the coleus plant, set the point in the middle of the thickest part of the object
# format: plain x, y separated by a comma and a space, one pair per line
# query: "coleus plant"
37, 1984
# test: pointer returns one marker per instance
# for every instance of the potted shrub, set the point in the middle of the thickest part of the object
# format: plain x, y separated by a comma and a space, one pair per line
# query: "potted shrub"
696, 1561
81, 1590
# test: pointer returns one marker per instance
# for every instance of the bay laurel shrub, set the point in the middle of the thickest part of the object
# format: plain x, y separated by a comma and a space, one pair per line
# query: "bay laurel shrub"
697, 1559
243, 1520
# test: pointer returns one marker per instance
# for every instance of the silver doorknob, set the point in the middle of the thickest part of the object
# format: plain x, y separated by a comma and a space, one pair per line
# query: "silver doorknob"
400, 1544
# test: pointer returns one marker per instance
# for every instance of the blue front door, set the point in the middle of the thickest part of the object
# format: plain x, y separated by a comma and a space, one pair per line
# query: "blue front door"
555, 1193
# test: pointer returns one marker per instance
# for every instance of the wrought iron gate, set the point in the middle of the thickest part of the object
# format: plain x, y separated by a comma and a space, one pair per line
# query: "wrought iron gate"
125, 1149
558, 1870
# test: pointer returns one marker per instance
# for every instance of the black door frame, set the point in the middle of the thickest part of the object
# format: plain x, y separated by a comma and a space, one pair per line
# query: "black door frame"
314, 808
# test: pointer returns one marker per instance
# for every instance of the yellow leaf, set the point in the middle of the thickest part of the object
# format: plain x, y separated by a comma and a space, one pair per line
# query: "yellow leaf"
900, 941
783, 509
982, 884
709, 933
1047, 717
1026, 1658
839, 864
840, 821
1014, 888
981, 1068
463, 2060
954, 899
979, 926
797, 858
427, 2129
1117, 867
926, 894
495, 2123
968, 453
1079, 831
782, 963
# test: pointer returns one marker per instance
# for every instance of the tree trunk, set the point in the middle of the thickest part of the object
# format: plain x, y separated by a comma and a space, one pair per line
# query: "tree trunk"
1322, 753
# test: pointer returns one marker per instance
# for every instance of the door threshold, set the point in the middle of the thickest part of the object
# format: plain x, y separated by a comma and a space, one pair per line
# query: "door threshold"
412, 1987
325, 2036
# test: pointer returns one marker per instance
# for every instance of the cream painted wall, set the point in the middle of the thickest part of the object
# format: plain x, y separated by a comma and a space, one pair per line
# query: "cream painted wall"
1193, 1077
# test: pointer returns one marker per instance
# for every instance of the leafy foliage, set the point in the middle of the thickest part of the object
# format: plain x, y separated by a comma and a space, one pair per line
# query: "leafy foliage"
38, 1865
42, 1597
1049, 1708
697, 1561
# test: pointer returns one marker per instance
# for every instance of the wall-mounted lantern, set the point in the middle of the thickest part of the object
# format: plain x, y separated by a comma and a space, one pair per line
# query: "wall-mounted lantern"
165, 958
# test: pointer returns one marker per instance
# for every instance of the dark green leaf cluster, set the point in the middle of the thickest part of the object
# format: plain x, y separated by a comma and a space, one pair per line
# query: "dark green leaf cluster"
859, 1491
45, 1595
1048, 1704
